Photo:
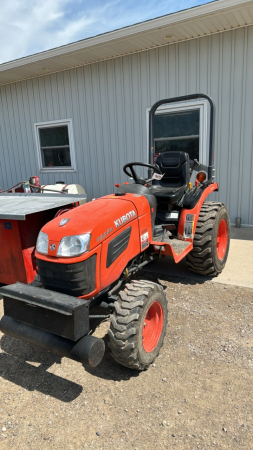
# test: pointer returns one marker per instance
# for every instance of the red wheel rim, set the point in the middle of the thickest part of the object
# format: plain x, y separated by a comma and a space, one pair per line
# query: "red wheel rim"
152, 327
222, 239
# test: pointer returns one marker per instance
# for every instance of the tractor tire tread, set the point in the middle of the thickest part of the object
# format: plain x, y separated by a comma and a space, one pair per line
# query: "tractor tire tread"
127, 319
126, 334
201, 259
125, 323
132, 305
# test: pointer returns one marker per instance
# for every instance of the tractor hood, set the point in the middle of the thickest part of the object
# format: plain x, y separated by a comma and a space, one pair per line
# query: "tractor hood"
100, 218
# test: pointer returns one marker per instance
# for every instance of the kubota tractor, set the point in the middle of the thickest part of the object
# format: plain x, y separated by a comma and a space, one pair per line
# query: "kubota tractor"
88, 256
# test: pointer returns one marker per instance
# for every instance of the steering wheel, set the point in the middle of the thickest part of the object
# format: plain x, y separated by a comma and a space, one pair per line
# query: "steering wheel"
139, 180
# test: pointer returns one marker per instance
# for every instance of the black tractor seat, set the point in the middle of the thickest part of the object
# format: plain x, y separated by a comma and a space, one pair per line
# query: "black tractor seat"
170, 193
175, 166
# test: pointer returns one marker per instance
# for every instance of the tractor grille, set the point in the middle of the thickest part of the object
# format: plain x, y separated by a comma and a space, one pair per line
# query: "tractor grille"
72, 279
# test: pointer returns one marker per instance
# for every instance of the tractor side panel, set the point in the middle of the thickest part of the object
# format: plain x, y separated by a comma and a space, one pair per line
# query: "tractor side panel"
141, 204
145, 231
117, 251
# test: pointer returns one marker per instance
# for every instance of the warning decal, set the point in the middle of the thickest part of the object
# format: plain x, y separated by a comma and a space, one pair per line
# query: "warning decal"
188, 226
157, 176
144, 241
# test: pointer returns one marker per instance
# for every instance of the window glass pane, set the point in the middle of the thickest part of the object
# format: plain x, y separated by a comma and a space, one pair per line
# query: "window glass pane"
56, 157
54, 136
184, 123
185, 145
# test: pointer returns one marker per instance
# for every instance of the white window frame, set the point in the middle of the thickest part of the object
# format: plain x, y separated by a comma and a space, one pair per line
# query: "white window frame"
202, 106
53, 124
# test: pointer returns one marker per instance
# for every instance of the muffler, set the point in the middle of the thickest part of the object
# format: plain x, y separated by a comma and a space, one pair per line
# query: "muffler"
89, 350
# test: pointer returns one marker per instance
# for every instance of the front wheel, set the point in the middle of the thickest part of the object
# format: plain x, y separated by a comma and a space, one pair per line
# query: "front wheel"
138, 324
211, 240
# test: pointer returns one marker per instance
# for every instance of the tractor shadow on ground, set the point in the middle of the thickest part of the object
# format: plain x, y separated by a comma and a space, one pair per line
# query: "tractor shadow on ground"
166, 269
109, 369
14, 367
33, 375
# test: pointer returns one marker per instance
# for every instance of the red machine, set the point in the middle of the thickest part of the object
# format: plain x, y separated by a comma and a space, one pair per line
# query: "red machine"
87, 255
22, 215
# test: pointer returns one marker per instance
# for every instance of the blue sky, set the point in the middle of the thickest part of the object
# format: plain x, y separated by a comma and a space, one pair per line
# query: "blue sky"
31, 26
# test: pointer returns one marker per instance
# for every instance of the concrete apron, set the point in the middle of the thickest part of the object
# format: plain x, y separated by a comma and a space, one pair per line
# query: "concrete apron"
238, 270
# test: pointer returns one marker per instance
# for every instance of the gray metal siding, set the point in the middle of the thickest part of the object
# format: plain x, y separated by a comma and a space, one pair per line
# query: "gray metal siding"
107, 102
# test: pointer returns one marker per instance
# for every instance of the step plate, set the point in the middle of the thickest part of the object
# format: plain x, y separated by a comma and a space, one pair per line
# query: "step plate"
177, 245
172, 247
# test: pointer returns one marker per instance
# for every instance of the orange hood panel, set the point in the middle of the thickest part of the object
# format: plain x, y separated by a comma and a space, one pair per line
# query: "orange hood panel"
100, 218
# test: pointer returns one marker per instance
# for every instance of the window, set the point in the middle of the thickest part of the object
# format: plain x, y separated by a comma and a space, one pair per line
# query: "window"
55, 146
183, 127
178, 131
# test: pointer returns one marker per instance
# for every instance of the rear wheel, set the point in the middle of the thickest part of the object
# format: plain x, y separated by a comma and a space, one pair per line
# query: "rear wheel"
211, 240
138, 324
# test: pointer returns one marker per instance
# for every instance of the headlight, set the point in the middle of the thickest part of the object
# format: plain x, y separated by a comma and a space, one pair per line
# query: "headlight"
74, 245
42, 243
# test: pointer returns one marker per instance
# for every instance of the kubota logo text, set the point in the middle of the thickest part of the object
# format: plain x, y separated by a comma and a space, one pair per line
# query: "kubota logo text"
124, 219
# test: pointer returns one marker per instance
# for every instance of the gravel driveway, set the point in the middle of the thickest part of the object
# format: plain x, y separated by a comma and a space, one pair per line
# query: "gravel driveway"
197, 395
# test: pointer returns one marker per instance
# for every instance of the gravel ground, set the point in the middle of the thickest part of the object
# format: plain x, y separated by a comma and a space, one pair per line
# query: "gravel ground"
197, 394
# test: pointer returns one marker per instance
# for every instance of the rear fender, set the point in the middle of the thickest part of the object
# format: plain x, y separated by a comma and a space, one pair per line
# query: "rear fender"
189, 217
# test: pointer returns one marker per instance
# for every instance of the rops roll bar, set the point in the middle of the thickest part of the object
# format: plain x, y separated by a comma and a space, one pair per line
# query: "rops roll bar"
180, 99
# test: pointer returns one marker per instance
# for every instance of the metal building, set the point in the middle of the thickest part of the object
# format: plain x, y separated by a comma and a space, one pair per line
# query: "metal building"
79, 112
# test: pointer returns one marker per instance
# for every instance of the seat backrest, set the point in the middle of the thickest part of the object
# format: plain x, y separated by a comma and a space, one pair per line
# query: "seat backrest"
176, 168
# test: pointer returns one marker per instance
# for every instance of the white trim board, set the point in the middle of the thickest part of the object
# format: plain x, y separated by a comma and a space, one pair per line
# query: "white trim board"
52, 124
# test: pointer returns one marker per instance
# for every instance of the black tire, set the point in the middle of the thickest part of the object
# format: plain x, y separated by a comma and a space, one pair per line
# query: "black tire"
127, 322
204, 258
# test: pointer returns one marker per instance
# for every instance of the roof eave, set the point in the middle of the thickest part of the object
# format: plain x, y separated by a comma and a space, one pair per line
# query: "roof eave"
164, 21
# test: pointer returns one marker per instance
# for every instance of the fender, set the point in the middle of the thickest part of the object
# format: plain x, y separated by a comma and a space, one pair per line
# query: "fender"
195, 212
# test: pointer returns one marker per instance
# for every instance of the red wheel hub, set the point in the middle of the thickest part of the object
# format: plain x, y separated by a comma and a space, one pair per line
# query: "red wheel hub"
152, 327
222, 239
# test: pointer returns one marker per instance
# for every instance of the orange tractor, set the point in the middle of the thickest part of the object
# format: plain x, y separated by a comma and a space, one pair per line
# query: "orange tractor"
88, 256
